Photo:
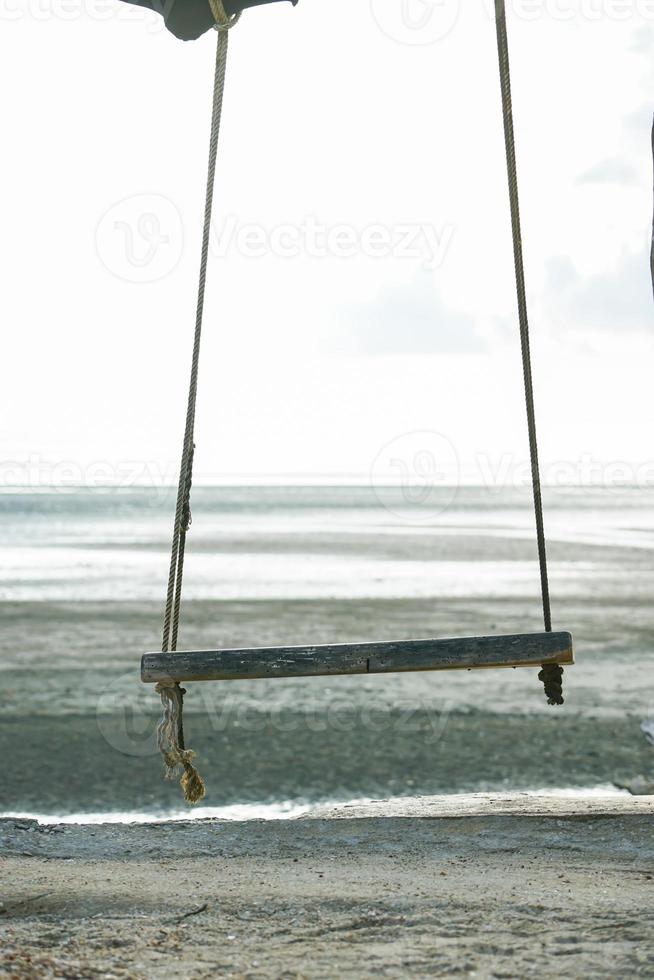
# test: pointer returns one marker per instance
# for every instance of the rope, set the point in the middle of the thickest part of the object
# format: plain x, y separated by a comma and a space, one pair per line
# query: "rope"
170, 733
651, 253
551, 674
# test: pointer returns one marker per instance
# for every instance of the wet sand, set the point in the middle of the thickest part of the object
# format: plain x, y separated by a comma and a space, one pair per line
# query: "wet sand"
79, 724
483, 887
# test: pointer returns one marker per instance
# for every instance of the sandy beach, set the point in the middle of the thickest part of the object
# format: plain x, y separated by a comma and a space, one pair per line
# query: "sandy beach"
424, 882
485, 886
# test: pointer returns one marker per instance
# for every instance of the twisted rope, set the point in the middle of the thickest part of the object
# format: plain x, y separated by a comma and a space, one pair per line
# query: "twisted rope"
550, 674
651, 253
170, 732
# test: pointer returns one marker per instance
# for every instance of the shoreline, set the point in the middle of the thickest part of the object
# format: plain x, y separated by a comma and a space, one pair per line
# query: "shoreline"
334, 808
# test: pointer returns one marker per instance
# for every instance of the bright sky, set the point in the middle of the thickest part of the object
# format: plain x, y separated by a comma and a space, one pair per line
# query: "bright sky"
361, 281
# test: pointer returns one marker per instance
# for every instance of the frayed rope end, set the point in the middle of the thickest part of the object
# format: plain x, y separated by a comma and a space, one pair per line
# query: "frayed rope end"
168, 739
192, 782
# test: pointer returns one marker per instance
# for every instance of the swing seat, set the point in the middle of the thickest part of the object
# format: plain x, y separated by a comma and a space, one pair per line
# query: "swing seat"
385, 657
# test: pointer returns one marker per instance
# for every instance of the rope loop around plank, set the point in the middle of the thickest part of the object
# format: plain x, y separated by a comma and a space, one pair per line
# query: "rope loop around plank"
223, 21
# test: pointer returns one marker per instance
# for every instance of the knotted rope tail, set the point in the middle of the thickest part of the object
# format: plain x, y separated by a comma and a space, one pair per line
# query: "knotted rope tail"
170, 732
551, 674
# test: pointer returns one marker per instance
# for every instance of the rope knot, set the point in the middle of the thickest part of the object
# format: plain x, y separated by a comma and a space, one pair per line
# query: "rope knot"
552, 677
223, 21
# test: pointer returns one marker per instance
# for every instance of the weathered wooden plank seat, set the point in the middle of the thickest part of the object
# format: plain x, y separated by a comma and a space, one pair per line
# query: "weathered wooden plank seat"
460, 653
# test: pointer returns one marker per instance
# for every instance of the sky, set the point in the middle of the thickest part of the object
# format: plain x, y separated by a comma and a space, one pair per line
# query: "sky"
360, 303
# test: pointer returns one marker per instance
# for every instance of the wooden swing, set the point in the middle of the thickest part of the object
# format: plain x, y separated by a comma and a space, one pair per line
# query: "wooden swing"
549, 650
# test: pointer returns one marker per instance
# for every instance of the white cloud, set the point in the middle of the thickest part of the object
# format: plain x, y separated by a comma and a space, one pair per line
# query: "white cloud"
612, 171
617, 300
412, 318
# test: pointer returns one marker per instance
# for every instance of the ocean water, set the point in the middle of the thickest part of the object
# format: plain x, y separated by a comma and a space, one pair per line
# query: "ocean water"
82, 582
320, 542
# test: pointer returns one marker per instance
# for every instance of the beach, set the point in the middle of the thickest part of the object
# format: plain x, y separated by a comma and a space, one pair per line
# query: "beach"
484, 886
289, 868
